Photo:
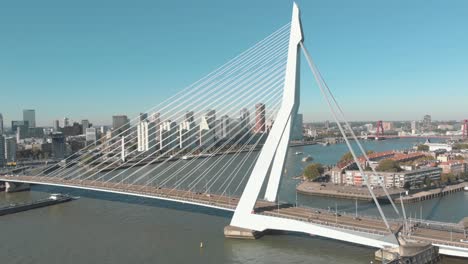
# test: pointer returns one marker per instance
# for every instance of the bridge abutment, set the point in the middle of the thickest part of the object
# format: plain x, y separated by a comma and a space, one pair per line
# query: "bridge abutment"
242, 233
16, 187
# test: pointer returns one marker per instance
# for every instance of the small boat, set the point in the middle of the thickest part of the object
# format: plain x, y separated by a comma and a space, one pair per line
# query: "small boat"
466, 188
299, 153
56, 196
306, 159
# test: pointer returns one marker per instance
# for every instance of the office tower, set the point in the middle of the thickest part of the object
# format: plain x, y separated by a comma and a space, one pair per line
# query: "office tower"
91, 135
66, 122
56, 125
190, 116
20, 128
210, 117
84, 125
143, 116
297, 130
427, 122
146, 135
58, 145
259, 118
224, 128
10, 149
207, 128
2, 151
30, 116
244, 120
187, 132
120, 125
1, 125
327, 125
168, 135
414, 127
156, 119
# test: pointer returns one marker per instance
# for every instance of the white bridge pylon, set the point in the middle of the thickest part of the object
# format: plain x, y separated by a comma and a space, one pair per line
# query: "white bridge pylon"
271, 160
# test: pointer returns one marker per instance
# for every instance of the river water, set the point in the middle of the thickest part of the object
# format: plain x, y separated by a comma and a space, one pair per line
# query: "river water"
108, 228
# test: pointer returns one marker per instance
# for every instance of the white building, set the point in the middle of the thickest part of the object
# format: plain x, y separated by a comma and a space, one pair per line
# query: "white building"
414, 127
187, 134
91, 135
167, 135
207, 132
391, 179
438, 146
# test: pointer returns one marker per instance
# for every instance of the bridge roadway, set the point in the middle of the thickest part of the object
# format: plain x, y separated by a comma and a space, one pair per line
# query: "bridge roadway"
364, 224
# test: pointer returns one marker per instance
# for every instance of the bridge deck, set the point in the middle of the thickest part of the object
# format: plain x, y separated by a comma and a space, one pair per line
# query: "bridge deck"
428, 232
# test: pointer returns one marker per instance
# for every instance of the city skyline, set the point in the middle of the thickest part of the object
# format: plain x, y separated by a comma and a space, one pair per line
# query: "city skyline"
393, 59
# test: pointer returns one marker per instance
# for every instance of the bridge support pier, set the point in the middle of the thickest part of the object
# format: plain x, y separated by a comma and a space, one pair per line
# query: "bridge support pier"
16, 187
242, 233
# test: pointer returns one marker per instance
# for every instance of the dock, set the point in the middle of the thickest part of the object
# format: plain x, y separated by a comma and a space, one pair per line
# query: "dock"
434, 193
20, 207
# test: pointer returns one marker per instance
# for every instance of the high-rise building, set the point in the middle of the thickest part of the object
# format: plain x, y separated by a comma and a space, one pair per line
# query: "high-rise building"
30, 116
58, 145
190, 116
1, 125
2, 151
84, 125
10, 149
156, 119
66, 122
168, 135
143, 116
297, 129
56, 125
120, 125
20, 128
327, 125
224, 128
210, 117
427, 122
187, 134
259, 118
244, 120
91, 135
414, 127
207, 131
146, 137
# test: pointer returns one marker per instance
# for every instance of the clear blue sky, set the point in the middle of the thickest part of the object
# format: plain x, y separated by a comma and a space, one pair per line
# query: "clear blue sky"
390, 60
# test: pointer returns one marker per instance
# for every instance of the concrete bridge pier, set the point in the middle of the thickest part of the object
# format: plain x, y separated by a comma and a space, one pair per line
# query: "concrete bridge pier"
16, 187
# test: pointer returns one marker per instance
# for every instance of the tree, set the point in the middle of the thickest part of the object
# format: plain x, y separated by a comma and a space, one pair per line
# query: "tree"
347, 157
428, 182
423, 147
370, 152
313, 171
407, 186
448, 178
388, 165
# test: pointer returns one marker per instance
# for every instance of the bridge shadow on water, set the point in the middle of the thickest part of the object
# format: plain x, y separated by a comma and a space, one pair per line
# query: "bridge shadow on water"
130, 199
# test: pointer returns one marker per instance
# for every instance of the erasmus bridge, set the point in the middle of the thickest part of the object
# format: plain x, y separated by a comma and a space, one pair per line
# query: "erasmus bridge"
235, 164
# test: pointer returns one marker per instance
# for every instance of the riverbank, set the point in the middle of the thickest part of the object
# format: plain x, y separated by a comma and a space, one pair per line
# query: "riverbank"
362, 193
343, 192
434, 193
